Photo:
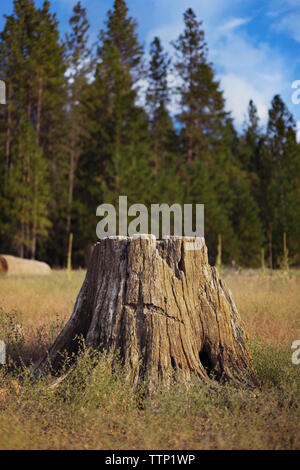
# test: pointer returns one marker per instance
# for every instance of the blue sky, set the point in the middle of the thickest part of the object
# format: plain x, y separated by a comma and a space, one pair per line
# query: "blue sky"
253, 44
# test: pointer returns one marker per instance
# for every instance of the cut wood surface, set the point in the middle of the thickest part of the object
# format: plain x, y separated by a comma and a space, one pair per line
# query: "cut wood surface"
161, 307
20, 266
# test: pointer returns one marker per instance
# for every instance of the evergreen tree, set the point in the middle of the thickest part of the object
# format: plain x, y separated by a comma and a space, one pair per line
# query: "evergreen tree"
158, 91
69, 142
245, 221
283, 165
202, 104
205, 135
249, 142
117, 153
79, 60
50, 123
121, 32
120, 66
27, 192
9, 72
34, 73
248, 182
165, 143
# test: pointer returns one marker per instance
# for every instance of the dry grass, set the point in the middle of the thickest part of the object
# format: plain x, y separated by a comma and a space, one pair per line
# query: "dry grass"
40, 305
268, 305
39, 297
98, 410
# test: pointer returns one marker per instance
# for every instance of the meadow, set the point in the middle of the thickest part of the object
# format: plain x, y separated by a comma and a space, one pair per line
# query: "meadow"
99, 410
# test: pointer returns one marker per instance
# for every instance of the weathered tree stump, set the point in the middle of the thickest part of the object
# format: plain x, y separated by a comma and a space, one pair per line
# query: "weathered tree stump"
161, 307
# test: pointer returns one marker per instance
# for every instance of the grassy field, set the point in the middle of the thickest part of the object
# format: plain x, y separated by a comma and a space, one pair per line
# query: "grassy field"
98, 410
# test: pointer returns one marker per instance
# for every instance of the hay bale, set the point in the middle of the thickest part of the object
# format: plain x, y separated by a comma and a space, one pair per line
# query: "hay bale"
3, 265
13, 265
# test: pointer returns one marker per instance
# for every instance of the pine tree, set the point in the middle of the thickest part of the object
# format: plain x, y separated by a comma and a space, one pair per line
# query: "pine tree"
118, 71
248, 181
249, 142
50, 123
202, 104
205, 136
158, 90
165, 143
89, 141
117, 157
80, 63
121, 32
246, 222
157, 98
9, 73
27, 192
283, 166
32, 64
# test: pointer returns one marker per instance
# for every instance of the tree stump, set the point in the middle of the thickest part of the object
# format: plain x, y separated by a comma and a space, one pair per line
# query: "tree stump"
161, 307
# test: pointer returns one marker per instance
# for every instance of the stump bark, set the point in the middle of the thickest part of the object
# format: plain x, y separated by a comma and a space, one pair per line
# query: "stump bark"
161, 307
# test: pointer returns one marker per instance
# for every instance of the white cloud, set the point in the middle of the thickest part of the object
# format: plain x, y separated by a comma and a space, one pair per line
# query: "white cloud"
168, 14
289, 24
248, 71
238, 91
233, 24
247, 66
286, 17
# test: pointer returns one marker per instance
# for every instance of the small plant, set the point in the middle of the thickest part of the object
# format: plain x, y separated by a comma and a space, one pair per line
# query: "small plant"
69, 263
285, 260
219, 255
12, 333
263, 266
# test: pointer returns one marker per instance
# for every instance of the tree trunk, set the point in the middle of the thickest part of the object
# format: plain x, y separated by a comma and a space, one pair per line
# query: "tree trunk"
72, 168
161, 307
39, 107
8, 130
270, 248
34, 226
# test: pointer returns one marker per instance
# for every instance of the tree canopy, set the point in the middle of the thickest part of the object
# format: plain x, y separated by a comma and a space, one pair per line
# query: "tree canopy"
79, 129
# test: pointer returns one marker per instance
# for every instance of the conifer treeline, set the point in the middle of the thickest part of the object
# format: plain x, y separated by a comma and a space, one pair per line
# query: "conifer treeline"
73, 135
